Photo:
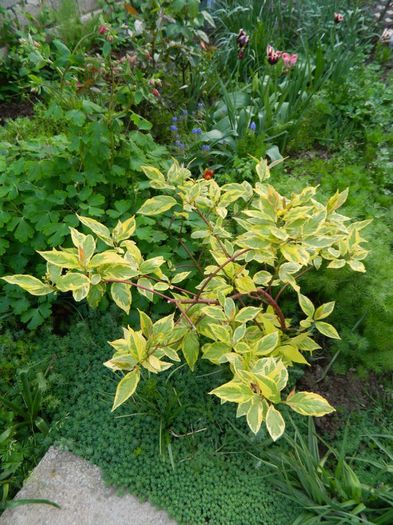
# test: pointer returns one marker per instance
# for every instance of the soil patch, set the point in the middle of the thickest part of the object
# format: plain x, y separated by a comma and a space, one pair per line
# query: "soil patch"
11, 110
346, 393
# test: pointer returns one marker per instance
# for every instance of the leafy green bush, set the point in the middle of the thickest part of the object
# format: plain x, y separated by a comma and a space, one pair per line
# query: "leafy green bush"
288, 236
364, 303
82, 160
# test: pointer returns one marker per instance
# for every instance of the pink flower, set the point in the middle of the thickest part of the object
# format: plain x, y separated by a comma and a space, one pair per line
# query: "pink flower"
289, 60
156, 93
272, 55
102, 30
338, 18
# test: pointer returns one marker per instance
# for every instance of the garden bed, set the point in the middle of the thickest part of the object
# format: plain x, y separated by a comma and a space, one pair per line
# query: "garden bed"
223, 176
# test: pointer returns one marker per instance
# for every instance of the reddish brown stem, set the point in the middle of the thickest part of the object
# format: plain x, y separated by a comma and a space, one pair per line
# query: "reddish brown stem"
283, 288
198, 300
213, 274
275, 306
211, 231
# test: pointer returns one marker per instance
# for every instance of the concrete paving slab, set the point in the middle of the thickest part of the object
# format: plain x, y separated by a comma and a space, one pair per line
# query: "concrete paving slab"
78, 488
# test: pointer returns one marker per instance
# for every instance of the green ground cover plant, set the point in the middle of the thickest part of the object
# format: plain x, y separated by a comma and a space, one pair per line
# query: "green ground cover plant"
175, 446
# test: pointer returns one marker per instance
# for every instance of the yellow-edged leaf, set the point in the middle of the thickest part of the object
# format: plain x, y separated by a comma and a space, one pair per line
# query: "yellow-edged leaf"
233, 391
324, 310
275, 423
309, 404
126, 387
29, 283
157, 205
327, 329
121, 294
267, 344
63, 259
190, 347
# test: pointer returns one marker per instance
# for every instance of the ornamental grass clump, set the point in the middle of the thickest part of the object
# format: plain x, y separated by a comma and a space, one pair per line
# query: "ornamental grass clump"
259, 243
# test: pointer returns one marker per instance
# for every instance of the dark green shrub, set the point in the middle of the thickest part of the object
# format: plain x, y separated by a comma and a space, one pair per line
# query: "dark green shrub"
62, 162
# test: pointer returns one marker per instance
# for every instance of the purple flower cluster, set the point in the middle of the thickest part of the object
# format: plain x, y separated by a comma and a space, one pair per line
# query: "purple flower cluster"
179, 125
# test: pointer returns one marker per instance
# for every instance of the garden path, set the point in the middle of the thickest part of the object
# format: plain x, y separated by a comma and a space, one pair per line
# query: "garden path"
78, 488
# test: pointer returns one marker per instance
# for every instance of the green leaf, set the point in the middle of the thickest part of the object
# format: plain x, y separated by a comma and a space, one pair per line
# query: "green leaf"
126, 388
255, 414
269, 388
124, 230
234, 392
324, 310
146, 324
190, 347
309, 404
327, 329
99, 229
12, 504
247, 314
215, 351
275, 423
140, 122
157, 205
72, 281
267, 344
306, 305
179, 277
121, 362
121, 294
95, 295
76, 117
62, 259
151, 265
29, 283
23, 231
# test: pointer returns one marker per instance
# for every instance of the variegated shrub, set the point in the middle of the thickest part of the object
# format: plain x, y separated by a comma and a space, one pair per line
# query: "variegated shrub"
260, 243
